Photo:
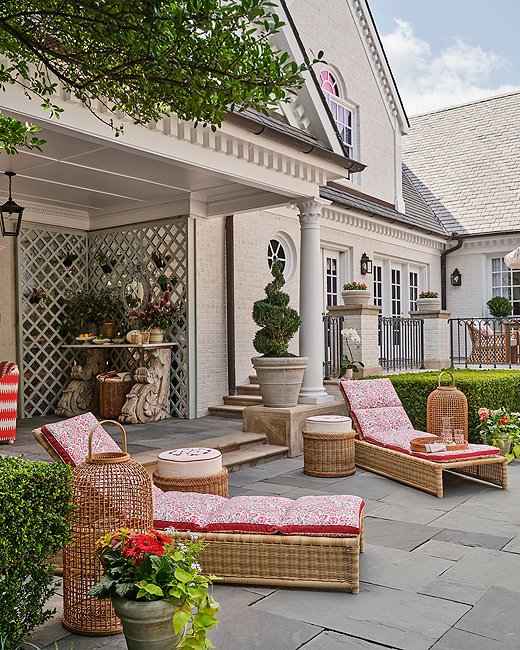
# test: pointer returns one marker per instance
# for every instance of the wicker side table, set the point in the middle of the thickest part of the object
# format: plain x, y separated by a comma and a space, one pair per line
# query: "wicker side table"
329, 454
214, 484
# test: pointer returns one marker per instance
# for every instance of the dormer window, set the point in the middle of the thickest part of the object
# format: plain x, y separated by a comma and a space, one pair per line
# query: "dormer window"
343, 114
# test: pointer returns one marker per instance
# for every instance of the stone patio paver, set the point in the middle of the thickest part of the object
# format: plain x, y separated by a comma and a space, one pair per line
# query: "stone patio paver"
468, 538
495, 616
486, 567
446, 550
397, 534
336, 641
408, 513
459, 640
455, 591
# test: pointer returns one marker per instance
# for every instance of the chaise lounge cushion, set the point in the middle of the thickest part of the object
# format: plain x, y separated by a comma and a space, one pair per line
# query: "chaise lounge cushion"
324, 515
251, 514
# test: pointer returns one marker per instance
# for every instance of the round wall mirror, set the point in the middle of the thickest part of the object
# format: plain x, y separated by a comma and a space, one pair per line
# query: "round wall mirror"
135, 293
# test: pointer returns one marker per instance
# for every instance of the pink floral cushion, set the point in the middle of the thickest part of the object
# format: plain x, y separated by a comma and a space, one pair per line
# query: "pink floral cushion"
185, 510
69, 438
399, 440
370, 393
250, 514
324, 515
386, 418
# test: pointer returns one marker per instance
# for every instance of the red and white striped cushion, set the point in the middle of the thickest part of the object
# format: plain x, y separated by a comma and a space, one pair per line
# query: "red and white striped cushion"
9, 377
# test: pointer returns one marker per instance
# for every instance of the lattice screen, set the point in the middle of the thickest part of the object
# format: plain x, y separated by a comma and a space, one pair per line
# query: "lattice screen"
45, 363
128, 250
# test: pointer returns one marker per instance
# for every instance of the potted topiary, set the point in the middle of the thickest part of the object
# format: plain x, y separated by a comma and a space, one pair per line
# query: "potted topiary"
499, 307
428, 301
279, 373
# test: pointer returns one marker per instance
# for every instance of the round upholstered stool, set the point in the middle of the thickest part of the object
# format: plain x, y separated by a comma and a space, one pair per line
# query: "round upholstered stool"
192, 469
328, 446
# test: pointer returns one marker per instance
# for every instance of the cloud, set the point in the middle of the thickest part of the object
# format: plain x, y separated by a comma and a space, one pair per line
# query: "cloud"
430, 80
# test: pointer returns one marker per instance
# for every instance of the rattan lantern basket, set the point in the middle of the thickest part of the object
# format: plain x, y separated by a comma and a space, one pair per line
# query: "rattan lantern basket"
446, 401
111, 491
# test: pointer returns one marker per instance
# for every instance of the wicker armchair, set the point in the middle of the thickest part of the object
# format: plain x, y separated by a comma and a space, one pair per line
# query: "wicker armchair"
488, 346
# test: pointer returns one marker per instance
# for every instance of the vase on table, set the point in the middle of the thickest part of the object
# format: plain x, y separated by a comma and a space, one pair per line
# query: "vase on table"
156, 335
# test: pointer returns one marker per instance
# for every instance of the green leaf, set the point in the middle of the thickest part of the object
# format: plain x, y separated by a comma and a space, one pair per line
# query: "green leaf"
180, 620
182, 575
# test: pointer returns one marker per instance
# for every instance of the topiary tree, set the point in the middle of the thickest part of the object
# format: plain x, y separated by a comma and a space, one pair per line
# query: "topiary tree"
499, 306
278, 321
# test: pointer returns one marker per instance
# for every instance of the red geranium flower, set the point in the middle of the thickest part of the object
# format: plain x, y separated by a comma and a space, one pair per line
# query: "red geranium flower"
503, 420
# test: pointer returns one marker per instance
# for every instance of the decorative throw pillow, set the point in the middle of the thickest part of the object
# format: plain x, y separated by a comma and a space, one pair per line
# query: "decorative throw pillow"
250, 514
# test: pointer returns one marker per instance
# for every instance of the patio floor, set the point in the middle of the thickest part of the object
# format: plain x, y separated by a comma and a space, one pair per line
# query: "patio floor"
436, 573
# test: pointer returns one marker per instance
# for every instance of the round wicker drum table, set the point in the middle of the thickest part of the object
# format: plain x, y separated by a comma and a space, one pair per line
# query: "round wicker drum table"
192, 469
328, 446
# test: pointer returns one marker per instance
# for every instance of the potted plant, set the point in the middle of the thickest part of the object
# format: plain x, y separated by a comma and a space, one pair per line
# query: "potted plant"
500, 429
86, 307
428, 301
156, 317
166, 282
38, 295
157, 589
347, 365
160, 261
279, 373
500, 307
69, 259
106, 264
355, 293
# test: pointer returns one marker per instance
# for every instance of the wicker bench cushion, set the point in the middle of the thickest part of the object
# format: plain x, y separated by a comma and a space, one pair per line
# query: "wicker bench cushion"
69, 438
338, 515
399, 440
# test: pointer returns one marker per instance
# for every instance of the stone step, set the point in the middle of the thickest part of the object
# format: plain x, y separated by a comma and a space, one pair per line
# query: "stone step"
253, 379
242, 400
225, 411
253, 455
248, 389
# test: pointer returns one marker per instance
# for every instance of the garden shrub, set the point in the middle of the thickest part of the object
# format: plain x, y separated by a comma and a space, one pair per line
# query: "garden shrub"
490, 388
36, 500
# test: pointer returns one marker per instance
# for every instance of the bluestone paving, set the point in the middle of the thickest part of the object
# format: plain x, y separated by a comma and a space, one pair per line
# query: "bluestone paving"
436, 574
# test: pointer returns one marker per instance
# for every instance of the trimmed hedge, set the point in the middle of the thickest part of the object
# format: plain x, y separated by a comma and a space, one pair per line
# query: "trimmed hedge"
36, 500
490, 388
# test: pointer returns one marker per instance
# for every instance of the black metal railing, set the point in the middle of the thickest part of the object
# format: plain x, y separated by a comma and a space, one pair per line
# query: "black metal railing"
333, 345
401, 343
484, 341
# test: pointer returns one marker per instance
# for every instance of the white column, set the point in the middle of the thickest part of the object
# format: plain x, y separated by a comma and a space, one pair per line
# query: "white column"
311, 300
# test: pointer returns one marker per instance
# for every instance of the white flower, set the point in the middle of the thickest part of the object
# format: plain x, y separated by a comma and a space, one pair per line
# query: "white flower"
351, 335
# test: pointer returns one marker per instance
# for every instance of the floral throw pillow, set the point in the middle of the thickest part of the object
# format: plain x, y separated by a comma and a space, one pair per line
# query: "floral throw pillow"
250, 514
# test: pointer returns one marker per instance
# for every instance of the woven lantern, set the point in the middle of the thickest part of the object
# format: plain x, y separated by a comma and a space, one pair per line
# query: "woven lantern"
446, 401
111, 491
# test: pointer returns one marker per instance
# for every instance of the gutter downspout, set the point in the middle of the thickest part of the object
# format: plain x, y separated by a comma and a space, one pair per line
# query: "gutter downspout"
230, 302
444, 255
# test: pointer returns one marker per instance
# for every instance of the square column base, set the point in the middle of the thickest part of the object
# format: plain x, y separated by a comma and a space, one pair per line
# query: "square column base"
319, 399
284, 426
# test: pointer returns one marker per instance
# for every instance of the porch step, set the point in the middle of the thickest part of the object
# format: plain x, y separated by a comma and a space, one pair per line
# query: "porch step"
242, 400
253, 379
225, 411
241, 449
248, 389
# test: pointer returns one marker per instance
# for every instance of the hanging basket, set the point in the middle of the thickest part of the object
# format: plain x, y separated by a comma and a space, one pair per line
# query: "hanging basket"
446, 401
111, 491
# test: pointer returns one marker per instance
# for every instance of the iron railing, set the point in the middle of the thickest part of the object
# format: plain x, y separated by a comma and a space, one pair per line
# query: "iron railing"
484, 341
333, 345
401, 343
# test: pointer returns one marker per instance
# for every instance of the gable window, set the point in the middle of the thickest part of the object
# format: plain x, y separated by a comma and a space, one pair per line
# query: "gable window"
343, 114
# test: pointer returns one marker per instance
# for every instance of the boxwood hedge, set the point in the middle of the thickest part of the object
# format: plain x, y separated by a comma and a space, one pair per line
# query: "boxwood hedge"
36, 508
490, 388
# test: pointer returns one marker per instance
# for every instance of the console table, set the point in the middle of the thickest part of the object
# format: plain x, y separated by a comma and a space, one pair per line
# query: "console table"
147, 401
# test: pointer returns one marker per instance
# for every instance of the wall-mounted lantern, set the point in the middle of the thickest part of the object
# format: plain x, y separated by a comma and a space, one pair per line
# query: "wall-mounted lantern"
10, 214
456, 278
366, 264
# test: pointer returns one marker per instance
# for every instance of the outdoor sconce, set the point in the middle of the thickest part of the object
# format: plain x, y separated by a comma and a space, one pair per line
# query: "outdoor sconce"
366, 264
456, 278
10, 214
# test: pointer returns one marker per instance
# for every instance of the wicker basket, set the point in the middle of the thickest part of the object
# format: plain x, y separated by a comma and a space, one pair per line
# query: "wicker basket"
329, 454
111, 491
214, 484
112, 394
446, 401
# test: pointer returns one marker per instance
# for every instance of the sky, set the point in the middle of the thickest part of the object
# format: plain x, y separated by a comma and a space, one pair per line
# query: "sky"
448, 52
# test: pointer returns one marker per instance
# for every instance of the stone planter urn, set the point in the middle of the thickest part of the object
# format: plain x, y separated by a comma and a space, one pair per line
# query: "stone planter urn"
156, 335
147, 625
428, 304
356, 296
280, 379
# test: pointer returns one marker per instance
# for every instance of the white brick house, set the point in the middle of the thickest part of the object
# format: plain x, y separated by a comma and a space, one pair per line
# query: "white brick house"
335, 150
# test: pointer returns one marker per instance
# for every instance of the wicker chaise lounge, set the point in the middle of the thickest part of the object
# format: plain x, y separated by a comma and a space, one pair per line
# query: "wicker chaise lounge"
383, 447
311, 542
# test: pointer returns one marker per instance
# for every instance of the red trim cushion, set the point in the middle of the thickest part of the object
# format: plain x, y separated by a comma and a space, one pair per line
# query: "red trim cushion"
324, 515
69, 438
251, 514
185, 510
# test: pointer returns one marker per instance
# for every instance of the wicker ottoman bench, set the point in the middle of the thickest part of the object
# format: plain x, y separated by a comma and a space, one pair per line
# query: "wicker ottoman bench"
310, 542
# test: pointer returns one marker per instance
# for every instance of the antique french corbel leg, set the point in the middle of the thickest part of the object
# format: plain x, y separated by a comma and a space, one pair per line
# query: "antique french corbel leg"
82, 394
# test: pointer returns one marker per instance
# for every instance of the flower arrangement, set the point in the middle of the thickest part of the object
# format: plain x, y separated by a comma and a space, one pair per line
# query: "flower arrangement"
354, 286
347, 360
500, 429
150, 566
428, 294
157, 314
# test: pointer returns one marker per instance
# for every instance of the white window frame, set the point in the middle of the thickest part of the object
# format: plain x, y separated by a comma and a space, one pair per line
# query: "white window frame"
504, 282
342, 256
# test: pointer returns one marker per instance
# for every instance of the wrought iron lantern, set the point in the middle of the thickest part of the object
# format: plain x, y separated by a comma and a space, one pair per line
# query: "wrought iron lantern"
10, 214
366, 264
456, 278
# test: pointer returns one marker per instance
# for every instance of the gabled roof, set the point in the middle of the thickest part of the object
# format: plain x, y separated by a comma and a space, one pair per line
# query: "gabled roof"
464, 162
417, 215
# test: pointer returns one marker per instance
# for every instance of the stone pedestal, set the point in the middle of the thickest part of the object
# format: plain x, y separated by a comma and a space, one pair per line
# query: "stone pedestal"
284, 426
364, 319
436, 338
